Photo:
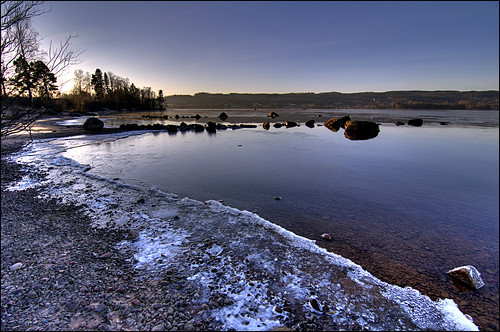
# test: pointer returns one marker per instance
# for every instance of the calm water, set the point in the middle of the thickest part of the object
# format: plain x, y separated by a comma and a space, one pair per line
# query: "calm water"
407, 205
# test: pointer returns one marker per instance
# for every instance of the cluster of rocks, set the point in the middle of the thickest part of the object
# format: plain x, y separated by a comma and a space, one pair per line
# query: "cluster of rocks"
354, 130
210, 127
416, 123
166, 117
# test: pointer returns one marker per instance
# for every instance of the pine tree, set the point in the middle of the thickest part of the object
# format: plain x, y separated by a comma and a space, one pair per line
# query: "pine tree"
43, 80
161, 100
98, 84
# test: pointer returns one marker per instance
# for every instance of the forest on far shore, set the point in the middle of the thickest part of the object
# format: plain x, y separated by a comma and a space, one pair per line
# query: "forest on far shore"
466, 100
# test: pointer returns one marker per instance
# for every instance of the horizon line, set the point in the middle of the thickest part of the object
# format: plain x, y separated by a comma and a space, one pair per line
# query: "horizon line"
310, 92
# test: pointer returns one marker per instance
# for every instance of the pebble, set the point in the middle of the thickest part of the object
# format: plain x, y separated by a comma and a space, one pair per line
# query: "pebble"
105, 256
16, 266
326, 236
159, 327
101, 308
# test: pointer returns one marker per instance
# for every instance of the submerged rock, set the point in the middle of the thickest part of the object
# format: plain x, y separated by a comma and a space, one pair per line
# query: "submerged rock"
467, 276
326, 236
399, 123
93, 124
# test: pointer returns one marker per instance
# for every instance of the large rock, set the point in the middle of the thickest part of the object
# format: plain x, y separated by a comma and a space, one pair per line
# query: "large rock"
467, 276
93, 124
211, 127
361, 130
416, 122
223, 116
266, 125
291, 124
334, 124
273, 115
198, 127
310, 123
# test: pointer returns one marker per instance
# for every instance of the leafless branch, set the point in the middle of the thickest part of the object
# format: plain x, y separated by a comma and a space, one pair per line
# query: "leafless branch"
60, 58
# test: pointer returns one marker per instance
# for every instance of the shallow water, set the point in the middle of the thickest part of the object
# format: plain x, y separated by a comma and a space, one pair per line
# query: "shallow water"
407, 205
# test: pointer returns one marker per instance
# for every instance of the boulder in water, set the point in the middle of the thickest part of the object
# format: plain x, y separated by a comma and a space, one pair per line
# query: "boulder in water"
416, 122
467, 276
334, 124
273, 115
326, 236
211, 127
361, 130
223, 116
310, 123
93, 124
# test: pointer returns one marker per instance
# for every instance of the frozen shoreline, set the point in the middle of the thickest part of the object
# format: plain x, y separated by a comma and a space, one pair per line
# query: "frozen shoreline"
247, 249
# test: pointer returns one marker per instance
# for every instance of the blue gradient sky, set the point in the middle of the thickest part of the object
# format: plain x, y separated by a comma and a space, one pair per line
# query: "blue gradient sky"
279, 47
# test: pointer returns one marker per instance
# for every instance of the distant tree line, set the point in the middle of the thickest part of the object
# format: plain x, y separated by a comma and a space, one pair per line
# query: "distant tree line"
467, 100
107, 90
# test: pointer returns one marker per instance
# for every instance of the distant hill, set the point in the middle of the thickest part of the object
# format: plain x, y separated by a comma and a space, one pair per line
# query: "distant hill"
484, 100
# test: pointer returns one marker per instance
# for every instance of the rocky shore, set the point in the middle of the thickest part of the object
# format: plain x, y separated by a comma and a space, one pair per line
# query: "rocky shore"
58, 273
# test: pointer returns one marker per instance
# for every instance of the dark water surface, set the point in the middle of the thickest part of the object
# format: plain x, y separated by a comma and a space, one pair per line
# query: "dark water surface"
408, 205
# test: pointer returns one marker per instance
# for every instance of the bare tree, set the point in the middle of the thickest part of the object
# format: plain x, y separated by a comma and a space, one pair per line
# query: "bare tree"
20, 47
62, 56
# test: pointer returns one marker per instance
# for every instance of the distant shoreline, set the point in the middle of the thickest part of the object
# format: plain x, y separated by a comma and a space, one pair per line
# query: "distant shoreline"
466, 100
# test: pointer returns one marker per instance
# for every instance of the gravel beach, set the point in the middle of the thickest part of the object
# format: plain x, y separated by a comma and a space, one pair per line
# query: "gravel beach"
58, 273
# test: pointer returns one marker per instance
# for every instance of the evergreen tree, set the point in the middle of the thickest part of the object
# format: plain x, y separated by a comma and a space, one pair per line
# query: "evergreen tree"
98, 84
43, 80
161, 100
22, 80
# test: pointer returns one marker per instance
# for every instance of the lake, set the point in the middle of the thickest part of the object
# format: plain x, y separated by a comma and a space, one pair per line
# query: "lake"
407, 205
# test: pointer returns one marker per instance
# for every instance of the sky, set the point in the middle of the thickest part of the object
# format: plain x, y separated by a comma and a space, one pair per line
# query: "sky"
281, 47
